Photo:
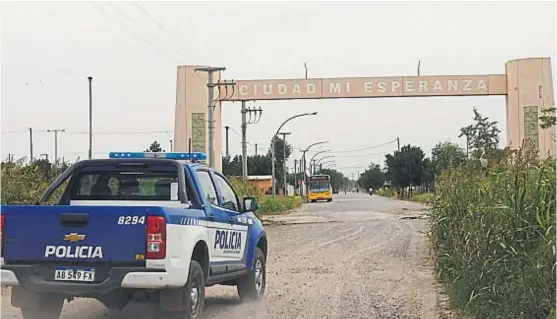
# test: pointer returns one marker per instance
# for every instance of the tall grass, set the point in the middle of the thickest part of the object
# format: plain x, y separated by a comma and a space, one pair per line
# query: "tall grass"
493, 231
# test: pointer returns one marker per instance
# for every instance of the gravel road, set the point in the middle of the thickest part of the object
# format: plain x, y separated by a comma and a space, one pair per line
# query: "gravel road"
370, 262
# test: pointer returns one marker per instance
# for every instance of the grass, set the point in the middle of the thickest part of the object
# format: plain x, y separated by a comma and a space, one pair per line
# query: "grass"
424, 198
267, 204
493, 232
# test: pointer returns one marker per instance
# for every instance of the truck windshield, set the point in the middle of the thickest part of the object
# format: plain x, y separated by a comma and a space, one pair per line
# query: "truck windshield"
128, 185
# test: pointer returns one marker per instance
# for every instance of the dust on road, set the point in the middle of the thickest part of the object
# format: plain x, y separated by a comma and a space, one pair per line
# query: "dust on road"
369, 263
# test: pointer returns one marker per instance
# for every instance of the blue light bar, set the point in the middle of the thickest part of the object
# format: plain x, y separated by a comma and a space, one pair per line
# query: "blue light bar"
176, 156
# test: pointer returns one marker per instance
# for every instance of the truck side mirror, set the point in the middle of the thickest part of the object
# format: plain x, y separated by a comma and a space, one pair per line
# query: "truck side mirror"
250, 204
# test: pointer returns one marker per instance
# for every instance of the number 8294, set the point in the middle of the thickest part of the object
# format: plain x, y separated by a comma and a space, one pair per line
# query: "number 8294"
131, 220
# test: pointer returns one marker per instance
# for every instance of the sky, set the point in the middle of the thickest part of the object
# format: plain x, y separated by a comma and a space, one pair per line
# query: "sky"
132, 50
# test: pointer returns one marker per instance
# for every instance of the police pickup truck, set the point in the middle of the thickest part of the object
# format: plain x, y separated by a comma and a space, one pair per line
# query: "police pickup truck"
148, 227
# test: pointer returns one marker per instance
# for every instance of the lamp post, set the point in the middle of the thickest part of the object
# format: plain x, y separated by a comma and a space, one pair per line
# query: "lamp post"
322, 158
330, 164
304, 158
274, 139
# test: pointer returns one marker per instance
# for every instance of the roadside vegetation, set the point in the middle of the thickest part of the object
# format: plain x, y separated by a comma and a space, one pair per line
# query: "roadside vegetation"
23, 183
267, 204
491, 220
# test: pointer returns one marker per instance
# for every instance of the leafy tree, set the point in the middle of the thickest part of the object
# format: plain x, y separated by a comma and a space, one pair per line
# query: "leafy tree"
548, 117
482, 136
338, 179
155, 147
373, 177
257, 165
280, 147
446, 155
429, 174
232, 166
405, 167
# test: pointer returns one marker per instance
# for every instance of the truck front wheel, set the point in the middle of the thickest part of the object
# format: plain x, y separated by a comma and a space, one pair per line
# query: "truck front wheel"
48, 307
252, 286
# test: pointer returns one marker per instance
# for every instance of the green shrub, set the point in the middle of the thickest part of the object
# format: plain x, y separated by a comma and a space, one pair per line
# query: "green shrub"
267, 204
425, 198
24, 184
493, 231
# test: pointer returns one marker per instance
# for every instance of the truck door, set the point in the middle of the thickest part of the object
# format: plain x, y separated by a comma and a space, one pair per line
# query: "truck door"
231, 242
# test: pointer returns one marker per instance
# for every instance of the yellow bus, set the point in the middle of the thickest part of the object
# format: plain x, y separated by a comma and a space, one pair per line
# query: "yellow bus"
320, 188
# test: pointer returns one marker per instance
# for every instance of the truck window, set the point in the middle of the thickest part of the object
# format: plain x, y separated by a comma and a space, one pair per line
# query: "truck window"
229, 199
128, 185
207, 186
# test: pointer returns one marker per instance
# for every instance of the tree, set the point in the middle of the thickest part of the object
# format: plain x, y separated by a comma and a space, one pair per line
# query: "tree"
155, 147
548, 118
405, 167
446, 155
257, 165
373, 177
337, 178
482, 136
428, 179
280, 147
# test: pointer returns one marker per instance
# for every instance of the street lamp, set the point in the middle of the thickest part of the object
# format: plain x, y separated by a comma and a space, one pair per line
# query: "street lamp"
329, 164
273, 146
311, 161
304, 157
324, 157
315, 155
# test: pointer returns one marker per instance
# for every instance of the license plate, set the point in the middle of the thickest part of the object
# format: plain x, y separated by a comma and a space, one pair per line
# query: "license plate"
74, 274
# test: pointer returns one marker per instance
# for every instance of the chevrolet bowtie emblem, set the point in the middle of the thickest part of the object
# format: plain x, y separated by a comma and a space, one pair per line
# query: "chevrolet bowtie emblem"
74, 237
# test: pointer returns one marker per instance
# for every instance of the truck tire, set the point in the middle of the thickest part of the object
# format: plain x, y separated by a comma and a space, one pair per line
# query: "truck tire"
49, 307
330, 200
194, 292
252, 286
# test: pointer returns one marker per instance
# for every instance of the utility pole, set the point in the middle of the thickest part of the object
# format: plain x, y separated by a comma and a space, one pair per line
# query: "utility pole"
211, 109
56, 130
245, 121
244, 142
304, 170
255, 149
398, 143
227, 145
295, 176
284, 158
90, 78
30, 145
170, 146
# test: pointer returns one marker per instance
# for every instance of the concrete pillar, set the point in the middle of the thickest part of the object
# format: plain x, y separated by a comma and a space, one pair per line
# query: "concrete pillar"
191, 113
529, 90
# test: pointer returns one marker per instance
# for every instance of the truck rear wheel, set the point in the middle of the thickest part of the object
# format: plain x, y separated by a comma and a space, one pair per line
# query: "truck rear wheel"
48, 307
193, 296
252, 286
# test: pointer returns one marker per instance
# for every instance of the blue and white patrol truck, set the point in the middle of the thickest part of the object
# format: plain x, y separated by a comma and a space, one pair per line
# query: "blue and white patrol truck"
148, 227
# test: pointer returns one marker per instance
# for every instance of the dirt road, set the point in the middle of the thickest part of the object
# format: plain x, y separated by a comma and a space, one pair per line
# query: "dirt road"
370, 262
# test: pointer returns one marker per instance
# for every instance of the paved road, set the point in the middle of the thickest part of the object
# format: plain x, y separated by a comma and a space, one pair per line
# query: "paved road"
371, 262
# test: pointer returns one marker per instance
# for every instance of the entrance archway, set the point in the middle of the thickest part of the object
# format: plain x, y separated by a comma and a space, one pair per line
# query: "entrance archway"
527, 85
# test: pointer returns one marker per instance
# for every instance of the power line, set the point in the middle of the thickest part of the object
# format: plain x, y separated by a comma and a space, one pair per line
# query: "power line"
130, 32
366, 148
140, 27
97, 133
163, 28
361, 155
